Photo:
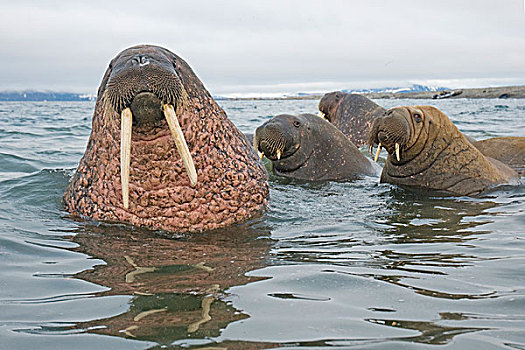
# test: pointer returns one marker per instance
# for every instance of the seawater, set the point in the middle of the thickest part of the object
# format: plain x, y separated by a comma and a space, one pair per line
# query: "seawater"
342, 265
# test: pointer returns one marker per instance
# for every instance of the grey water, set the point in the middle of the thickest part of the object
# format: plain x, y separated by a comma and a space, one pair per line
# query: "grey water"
330, 265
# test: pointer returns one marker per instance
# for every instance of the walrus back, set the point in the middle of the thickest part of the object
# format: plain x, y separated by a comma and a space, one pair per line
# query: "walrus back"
508, 150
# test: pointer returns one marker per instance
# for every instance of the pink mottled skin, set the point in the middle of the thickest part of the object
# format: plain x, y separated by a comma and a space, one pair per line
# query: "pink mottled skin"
232, 184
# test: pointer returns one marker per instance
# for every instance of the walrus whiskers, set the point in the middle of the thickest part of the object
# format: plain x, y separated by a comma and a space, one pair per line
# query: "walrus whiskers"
125, 153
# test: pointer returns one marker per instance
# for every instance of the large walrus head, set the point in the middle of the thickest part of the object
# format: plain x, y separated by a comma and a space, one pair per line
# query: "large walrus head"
285, 141
351, 113
329, 103
399, 129
144, 168
427, 150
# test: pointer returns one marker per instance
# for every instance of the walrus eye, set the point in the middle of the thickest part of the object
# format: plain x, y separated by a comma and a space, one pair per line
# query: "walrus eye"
417, 117
296, 124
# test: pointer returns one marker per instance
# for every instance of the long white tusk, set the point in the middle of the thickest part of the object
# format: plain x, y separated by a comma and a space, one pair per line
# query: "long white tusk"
256, 146
377, 153
321, 115
397, 152
126, 118
180, 142
279, 154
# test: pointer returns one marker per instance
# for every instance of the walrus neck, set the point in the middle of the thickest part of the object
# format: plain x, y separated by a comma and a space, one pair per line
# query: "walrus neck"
293, 162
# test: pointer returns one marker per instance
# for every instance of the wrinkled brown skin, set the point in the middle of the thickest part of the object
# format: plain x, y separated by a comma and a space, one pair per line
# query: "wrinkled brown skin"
312, 149
232, 184
508, 150
351, 113
434, 155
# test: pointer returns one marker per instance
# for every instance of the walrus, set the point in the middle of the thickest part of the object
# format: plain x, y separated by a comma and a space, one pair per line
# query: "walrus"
351, 113
143, 168
427, 151
306, 147
508, 150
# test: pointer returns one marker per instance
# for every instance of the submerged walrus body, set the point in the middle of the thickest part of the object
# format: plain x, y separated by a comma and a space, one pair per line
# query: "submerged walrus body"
306, 147
142, 168
427, 151
352, 114
508, 150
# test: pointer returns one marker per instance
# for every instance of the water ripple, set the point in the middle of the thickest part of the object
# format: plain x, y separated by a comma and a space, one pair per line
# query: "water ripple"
357, 264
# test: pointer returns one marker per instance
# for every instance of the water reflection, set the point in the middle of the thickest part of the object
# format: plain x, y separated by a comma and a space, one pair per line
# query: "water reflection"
416, 217
177, 284
430, 332
431, 223
400, 220
424, 250
432, 248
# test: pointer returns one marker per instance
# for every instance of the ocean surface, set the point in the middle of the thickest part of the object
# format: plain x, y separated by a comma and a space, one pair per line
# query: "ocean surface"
330, 265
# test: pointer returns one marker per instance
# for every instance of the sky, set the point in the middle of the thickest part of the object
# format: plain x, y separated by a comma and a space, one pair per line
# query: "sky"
266, 47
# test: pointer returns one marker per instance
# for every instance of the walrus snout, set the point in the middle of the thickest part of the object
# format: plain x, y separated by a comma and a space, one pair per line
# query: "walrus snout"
391, 131
383, 137
270, 140
280, 137
146, 108
139, 70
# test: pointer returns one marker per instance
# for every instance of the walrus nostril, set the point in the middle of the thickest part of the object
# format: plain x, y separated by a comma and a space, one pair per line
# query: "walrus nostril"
140, 60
